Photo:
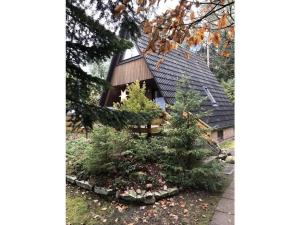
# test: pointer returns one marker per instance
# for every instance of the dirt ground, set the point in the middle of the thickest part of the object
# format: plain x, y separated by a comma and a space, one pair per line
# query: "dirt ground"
189, 207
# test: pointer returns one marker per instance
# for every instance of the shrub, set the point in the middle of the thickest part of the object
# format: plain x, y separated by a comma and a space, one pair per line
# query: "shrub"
147, 150
107, 147
76, 153
137, 100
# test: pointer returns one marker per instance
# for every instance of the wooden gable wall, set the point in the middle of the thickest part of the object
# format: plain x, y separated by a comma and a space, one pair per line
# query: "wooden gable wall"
129, 72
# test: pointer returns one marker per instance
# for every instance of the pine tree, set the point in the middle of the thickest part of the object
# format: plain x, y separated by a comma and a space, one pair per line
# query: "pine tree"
88, 41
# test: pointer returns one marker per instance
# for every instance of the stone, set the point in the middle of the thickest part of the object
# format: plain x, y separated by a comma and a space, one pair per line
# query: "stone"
84, 184
118, 194
166, 193
228, 169
71, 179
230, 159
149, 186
230, 152
103, 191
127, 152
222, 156
130, 196
149, 198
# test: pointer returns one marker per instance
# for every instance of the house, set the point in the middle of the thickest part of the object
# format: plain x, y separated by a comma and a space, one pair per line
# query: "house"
161, 83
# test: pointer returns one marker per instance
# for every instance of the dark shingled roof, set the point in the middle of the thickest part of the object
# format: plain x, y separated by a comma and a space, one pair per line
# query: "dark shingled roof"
174, 66
171, 70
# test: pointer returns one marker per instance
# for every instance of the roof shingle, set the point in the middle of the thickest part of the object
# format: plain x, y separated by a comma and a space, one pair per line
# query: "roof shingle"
172, 69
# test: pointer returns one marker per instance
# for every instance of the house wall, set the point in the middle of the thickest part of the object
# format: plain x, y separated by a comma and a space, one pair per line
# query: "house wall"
228, 133
130, 71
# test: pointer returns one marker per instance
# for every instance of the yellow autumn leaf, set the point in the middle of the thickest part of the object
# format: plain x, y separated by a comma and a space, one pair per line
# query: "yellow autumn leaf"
187, 55
230, 33
140, 2
222, 22
225, 53
200, 35
152, 2
147, 27
215, 38
139, 9
119, 8
159, 62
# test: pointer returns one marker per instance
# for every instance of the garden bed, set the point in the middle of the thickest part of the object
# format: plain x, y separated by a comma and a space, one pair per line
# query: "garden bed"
131, 195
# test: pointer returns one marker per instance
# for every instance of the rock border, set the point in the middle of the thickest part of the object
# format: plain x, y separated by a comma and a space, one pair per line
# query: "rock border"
131, 196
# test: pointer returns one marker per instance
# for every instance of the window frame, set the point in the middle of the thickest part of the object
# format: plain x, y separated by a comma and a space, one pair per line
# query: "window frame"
134, 56
210, 96
222, 134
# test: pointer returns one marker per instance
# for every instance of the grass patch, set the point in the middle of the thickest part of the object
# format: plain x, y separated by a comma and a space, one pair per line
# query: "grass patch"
81, 210
226, 145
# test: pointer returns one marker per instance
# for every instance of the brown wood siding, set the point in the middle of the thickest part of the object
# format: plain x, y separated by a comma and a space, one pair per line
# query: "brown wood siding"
130, 72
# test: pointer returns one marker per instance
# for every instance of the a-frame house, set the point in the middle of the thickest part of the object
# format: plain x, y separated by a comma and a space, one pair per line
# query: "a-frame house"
161, 83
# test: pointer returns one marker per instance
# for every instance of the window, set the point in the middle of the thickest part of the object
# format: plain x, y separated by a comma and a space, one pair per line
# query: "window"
220, 134
211, 98
129, 53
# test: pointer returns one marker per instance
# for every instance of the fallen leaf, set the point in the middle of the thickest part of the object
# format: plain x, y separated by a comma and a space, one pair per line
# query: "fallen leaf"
182, 205
174, 216
172, 204
204, 206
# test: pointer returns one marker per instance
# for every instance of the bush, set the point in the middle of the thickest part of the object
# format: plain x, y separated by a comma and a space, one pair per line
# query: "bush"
137, 100
76, 153
208, 177
107, 147
147, 150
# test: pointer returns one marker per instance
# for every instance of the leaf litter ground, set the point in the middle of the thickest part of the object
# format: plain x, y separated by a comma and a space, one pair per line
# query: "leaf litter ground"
189, 207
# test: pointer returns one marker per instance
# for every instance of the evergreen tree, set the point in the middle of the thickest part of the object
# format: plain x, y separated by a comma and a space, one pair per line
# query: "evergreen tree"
184, 130
88, 41
185, 165
137, 100
229, 89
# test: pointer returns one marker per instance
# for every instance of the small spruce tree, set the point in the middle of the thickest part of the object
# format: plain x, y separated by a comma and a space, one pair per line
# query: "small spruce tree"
185, 166
184, 130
